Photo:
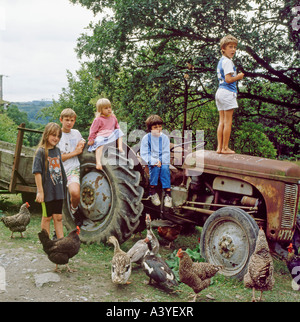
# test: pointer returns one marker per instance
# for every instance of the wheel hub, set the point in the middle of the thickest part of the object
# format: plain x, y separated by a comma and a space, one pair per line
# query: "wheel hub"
226, 246
95, 195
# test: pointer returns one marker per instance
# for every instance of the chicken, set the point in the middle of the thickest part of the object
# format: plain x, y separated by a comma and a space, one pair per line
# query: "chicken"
293, 264
139, 249
120, 264
194, 274
59, 251
18, 222
260, 269
157, 269
167, 230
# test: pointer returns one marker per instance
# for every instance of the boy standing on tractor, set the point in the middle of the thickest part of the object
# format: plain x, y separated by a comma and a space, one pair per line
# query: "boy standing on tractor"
227, 92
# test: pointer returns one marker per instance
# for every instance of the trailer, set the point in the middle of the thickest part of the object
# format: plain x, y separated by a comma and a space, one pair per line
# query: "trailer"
16, 167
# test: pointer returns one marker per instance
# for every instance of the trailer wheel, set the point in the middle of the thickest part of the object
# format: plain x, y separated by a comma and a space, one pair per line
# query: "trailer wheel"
110, 199
228, 238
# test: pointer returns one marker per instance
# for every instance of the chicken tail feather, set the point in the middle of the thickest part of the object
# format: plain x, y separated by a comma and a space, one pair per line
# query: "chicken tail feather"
45, 240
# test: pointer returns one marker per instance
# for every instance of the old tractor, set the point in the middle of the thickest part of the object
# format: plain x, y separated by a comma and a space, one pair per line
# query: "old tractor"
230, 196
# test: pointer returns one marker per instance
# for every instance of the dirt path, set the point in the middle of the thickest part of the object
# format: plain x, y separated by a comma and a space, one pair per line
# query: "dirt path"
25, 267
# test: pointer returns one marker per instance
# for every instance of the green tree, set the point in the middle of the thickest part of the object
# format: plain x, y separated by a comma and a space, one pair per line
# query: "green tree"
8, 129
17, 116
165, 53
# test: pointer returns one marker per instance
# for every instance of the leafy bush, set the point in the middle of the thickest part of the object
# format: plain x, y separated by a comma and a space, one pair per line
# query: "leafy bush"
251, 139
173, 260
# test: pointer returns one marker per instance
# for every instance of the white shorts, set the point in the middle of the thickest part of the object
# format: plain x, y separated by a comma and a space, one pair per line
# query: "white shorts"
225, 100
73, 176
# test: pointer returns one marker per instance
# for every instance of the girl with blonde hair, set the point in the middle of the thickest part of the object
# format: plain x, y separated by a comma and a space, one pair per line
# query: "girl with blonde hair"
104, 129
50, 178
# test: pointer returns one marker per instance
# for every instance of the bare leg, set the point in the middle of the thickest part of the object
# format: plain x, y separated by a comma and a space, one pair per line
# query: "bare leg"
98, 157
120, 144
58, 226
45, 224
227, 131
74, 190
220, 131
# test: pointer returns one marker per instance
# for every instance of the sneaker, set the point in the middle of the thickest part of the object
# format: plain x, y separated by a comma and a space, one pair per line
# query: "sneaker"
155, 199
168, 201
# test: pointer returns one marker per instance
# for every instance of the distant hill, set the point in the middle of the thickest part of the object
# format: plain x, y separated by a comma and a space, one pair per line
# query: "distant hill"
32, 109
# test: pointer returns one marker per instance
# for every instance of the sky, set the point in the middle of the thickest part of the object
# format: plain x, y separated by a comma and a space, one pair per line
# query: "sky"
37, 42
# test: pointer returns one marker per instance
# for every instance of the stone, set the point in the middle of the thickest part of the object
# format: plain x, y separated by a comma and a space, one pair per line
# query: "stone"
41, 279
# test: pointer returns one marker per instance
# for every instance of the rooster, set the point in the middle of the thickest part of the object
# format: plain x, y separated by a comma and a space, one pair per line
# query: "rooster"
293, 264
194, 274
260, 268
18, 222
167, 230
59, 251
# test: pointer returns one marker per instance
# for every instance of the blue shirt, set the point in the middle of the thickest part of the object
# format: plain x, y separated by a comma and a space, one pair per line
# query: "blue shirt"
154, 149
226, 66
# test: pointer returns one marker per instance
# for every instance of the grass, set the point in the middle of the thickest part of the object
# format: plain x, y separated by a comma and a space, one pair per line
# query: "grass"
93, 265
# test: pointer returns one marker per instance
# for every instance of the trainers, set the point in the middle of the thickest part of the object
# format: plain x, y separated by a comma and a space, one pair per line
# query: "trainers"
168, 201
155, 199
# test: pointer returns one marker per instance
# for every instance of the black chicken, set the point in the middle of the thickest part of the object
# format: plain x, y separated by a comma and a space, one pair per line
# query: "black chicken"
59, 251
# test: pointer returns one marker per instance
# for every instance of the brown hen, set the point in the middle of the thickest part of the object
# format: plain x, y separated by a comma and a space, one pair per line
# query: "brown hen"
167, 230
195, 275
260, 269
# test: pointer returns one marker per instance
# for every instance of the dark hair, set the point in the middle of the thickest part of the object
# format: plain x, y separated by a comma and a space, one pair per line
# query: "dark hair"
153, 120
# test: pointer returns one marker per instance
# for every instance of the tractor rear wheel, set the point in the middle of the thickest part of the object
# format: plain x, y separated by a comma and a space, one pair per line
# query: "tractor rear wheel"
110, 199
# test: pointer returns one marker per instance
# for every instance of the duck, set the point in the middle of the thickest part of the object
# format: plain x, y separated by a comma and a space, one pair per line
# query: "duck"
138, 251
157, 269
120, 264
151, 236
140, 248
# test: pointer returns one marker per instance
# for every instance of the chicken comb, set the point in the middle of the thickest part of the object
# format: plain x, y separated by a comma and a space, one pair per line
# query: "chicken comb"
290, 248
27, 204
179, 252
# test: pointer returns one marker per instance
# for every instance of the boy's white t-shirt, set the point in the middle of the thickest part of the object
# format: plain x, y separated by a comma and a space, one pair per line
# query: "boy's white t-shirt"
67, 144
